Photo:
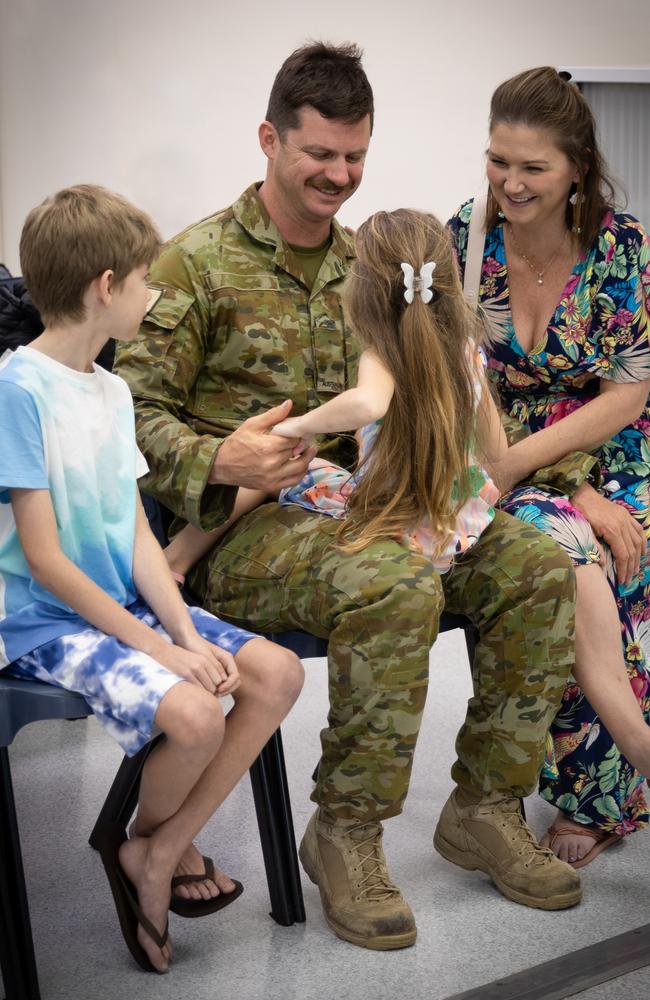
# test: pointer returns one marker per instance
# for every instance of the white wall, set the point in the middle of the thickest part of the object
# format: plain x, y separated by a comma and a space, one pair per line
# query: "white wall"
160, 99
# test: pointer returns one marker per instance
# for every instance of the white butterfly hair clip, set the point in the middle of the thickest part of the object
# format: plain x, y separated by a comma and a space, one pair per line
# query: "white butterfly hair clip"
421, 282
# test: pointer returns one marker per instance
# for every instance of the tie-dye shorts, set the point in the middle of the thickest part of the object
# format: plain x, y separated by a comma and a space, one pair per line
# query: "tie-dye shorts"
122, 685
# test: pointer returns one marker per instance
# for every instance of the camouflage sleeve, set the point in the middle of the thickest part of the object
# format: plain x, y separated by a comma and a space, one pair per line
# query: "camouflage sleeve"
570, 472
161, 367
565, 475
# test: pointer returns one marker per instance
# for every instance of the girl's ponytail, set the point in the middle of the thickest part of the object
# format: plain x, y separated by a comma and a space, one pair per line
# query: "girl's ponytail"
418, 467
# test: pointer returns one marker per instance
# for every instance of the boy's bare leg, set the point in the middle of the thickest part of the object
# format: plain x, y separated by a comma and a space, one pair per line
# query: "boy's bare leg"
189, 776
600, 672
190, 544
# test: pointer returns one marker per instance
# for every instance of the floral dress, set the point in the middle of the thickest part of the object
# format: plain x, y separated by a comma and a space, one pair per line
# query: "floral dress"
598, 330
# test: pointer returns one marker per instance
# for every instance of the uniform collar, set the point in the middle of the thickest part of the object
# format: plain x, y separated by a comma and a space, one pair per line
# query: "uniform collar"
251, 214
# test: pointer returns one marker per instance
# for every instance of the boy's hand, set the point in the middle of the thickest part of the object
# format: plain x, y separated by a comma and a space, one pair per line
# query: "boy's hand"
204, 664
223, 661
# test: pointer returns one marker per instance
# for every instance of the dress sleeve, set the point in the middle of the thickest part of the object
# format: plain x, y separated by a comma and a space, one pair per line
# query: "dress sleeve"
22, 456
621, 305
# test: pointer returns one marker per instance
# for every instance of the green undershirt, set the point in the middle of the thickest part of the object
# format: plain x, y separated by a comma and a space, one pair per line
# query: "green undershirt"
310, 260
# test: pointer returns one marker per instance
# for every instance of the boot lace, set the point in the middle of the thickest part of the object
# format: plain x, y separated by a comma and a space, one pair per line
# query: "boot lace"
374, 882
517, 831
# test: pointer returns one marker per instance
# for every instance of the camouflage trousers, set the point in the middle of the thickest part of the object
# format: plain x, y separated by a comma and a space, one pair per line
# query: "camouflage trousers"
280, 568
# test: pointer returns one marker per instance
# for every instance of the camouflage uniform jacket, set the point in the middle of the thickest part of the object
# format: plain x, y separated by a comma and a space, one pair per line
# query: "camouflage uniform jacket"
235, 332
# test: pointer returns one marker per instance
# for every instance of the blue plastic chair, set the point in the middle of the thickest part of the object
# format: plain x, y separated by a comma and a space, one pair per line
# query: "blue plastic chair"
21, 702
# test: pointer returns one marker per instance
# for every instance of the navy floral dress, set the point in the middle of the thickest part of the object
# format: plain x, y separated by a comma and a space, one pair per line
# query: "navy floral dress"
599, 330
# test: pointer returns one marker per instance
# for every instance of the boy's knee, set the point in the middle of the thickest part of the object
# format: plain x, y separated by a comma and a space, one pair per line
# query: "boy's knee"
273, 672
199, 722
289, 674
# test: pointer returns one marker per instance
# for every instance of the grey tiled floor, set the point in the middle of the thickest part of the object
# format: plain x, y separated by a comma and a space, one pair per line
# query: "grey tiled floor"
467, 933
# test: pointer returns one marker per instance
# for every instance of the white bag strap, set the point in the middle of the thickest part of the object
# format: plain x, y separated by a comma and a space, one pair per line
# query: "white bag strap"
475, 245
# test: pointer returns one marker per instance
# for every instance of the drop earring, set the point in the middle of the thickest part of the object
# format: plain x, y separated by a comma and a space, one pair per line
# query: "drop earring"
576, 200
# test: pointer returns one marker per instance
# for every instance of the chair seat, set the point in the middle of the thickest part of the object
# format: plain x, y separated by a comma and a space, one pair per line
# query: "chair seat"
24, 701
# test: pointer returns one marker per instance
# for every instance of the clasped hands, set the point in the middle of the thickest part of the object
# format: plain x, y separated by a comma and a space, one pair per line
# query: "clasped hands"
259, 454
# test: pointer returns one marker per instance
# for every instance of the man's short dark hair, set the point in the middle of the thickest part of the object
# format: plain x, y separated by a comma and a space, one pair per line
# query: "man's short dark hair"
329, 78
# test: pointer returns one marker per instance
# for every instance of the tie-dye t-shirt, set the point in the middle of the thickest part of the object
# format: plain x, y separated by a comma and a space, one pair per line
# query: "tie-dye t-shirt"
72, 433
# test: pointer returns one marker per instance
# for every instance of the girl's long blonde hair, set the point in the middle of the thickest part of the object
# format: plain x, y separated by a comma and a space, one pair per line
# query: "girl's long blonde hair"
418, 465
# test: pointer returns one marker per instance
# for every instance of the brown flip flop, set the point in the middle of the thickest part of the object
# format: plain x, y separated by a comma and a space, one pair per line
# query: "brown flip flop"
201, 907
125, 897
601, 842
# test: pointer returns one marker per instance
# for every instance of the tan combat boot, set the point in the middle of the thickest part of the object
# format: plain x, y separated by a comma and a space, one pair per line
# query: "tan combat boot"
489, 833
361, 904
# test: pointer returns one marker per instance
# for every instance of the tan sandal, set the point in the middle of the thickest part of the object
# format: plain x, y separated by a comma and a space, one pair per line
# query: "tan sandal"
601, 841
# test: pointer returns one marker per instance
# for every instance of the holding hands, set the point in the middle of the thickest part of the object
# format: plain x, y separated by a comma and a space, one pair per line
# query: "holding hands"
257, 459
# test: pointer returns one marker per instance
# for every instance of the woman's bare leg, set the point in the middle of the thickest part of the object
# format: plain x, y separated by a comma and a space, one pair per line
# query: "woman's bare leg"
601, 673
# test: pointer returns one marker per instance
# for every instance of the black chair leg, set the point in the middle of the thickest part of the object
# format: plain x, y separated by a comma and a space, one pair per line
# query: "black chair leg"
17, 959
123, 795
273, 808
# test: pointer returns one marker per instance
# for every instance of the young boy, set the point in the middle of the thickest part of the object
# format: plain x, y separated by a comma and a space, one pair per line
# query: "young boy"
87, 601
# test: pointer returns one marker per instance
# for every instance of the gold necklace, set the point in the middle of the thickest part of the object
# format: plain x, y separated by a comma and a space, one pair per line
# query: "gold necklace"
540, 273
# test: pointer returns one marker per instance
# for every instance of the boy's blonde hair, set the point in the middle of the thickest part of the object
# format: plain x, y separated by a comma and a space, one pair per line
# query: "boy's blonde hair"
418, 469
73, 237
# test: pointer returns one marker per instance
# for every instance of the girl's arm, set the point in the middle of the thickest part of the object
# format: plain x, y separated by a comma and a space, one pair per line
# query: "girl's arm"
352, 409
617, 405
51, 568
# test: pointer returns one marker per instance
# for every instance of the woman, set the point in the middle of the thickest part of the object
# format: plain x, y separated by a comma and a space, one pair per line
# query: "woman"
565, 289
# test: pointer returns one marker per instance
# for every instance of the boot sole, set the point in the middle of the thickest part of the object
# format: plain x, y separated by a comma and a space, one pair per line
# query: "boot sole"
378, 943
471, 863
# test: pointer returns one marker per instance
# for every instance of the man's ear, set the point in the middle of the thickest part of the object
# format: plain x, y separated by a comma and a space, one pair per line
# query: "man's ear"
269, 139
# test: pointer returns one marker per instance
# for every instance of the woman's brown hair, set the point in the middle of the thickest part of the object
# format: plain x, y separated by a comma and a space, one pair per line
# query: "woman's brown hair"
418, 465
543, 98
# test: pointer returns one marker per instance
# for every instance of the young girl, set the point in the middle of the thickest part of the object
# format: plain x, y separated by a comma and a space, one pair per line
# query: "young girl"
423, 414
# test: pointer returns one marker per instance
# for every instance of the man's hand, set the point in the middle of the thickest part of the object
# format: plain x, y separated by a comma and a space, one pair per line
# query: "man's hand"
253, 457
616, 526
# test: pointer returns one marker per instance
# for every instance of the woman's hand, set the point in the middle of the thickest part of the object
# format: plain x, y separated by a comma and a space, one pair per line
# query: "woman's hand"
616, 526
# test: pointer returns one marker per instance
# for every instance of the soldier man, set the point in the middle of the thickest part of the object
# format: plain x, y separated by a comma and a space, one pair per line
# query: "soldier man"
250, 317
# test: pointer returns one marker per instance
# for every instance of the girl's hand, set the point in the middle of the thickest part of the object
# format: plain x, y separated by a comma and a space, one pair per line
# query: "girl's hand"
291, 428
616, 526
